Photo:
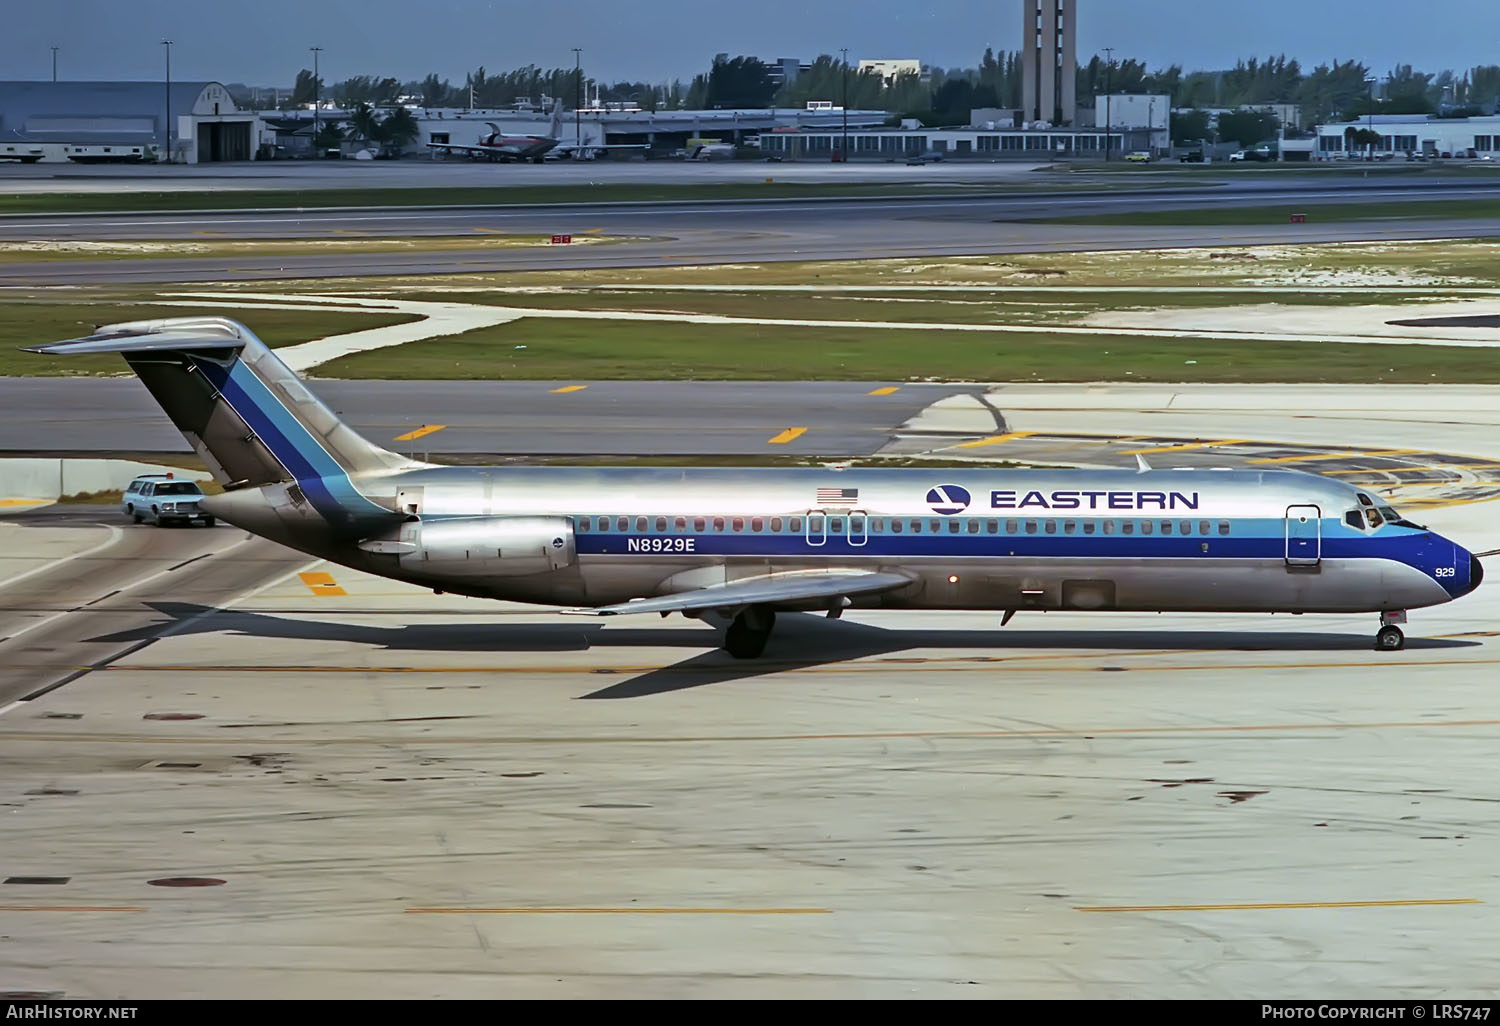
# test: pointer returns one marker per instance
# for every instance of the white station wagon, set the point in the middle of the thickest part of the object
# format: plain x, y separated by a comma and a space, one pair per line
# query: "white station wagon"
162, 499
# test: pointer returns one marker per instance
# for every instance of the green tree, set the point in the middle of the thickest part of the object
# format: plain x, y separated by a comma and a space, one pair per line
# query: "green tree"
1247, 127
1332, 89
739, 82
305, 88
1190, 127
364, 126
1484, 85
398, 130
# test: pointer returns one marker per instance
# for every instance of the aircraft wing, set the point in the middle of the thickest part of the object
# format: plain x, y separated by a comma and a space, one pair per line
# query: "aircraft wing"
792, 588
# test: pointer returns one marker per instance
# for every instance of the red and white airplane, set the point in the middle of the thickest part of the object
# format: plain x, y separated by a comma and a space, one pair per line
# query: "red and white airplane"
496, 145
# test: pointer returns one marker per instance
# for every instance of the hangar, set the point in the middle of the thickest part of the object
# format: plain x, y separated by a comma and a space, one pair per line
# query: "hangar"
124, 121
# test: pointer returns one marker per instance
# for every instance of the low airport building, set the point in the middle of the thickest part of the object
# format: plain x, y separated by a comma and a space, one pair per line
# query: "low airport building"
124, 121
1414, 136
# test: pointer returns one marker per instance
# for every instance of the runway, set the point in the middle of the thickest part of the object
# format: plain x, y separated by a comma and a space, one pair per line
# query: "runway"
700, 233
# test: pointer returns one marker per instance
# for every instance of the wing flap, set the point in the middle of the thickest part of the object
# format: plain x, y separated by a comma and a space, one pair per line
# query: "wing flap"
789, 588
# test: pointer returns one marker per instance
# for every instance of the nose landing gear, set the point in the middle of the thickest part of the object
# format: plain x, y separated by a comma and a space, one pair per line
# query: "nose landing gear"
1390, 638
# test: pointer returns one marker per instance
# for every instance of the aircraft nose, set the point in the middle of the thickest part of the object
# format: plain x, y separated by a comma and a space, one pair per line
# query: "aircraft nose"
1476, 571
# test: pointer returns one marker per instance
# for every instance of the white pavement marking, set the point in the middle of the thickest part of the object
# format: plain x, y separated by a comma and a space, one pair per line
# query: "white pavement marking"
114, 536
120, 591
183, 625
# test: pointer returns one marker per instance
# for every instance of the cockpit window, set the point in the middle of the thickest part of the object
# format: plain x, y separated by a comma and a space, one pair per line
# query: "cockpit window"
1392, 517
1354, 520
1372, 516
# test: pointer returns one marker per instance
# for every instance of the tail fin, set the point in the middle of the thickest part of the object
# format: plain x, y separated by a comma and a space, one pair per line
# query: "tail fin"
245, 413
555, 132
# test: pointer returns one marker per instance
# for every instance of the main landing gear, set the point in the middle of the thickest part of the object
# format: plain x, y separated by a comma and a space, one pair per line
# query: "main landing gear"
749, 631
1390, 638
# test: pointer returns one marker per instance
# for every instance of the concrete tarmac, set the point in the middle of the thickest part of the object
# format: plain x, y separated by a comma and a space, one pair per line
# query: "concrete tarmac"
338, 786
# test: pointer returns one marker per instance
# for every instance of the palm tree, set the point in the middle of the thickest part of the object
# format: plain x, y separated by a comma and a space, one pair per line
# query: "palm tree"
363, 125
399, 130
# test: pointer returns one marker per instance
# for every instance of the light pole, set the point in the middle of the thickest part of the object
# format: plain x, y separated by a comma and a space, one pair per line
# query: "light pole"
1109, 61
577, 101
844, 149
54, 64
317, 125
168, 125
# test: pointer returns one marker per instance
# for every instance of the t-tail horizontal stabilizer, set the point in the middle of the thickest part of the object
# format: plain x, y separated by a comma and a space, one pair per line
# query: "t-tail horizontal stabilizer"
245, 413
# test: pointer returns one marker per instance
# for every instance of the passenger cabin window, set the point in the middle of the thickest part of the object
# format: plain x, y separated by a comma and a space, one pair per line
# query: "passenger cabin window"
1051, 527
776, 524
1224, 527
1011, 526
718, 523
739, 523
1145, 527
992, 526
1166, 527
640, 524
973, 527
1203, 527
1031, 527
895, 526
916, 527
757, 524
877, 525
1127, 527
1109, 527
1088, 527
1070, 527
622, 524
661, 524
953, 526
796, 525
681, 524
583, 523
700, 524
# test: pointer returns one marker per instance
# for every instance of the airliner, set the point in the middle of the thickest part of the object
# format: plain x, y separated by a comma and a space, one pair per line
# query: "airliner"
742, 545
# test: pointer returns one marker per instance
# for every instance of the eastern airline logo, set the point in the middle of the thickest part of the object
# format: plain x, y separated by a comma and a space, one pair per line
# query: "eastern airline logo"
948, 499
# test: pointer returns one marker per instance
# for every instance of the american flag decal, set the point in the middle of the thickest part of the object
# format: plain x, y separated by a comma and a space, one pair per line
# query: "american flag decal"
837, 496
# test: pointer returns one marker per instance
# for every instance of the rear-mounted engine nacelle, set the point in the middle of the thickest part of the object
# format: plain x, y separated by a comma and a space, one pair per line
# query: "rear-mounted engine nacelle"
485, 546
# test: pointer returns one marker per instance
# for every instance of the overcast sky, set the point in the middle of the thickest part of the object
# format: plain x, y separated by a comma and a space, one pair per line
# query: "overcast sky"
264, 42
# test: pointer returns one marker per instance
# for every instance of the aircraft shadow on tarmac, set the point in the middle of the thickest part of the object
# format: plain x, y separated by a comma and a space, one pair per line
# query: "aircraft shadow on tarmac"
801, 641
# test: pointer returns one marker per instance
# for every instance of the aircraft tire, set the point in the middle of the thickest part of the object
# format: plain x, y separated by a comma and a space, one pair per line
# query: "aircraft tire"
742, 642
1390, 639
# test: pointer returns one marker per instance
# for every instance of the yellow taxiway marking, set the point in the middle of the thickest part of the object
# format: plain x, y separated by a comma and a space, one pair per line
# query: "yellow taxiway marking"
460, 740
24, 502
1279, 905
627, 911
72, 908
1347, 455
322, 584
958, 665
569, 388
1190, 445
790, 434
887, 390
591, 231
425, 429
486, 231
995, 439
